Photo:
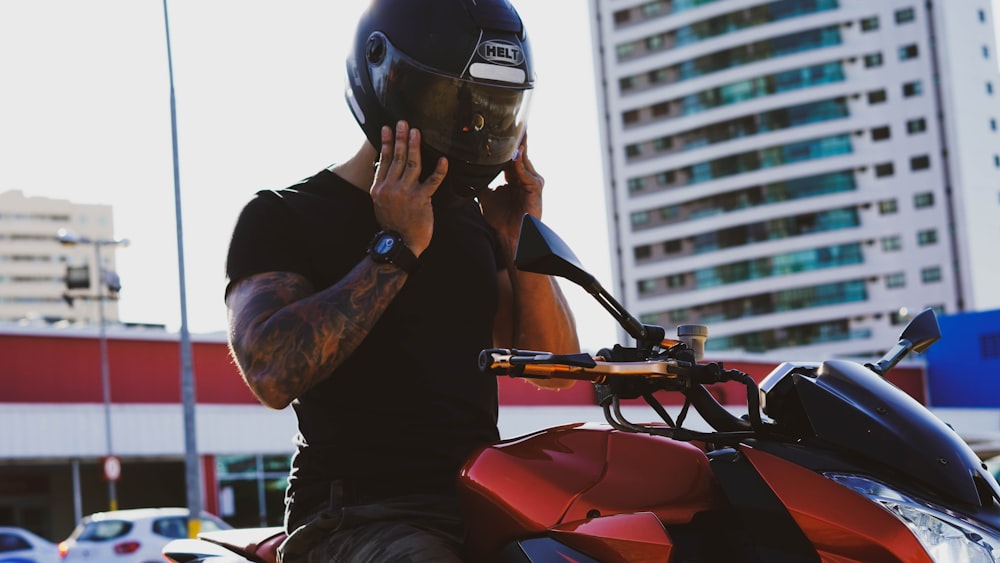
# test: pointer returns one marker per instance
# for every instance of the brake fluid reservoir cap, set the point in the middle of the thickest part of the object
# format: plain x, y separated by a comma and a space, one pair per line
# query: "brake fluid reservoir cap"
692, 330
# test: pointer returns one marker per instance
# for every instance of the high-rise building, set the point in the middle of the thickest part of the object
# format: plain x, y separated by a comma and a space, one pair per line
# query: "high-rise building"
36, 269
800, 174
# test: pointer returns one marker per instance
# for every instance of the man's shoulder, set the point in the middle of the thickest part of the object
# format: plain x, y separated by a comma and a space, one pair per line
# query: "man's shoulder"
318, 193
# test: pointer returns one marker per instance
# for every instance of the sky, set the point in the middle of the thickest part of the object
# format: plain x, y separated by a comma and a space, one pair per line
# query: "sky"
85, 116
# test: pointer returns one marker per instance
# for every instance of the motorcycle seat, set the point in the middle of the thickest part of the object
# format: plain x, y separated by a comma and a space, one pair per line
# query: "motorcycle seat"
257, 544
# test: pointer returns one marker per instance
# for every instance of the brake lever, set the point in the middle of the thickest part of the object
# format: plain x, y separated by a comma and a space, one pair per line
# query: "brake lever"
582, 360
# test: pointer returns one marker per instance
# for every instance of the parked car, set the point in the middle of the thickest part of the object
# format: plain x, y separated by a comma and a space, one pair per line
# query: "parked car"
18, 545
130, 536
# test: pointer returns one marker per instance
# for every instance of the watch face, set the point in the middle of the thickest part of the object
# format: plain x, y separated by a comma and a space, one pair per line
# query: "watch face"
384, 245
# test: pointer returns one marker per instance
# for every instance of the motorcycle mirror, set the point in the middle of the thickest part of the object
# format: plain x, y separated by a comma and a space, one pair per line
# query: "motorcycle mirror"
919, 334
541, 251
923, 330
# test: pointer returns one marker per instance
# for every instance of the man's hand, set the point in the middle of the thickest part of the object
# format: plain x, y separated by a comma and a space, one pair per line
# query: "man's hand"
504, 207
402, 202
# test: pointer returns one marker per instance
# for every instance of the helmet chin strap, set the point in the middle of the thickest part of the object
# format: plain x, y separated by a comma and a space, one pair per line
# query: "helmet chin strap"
452, 194
459, 186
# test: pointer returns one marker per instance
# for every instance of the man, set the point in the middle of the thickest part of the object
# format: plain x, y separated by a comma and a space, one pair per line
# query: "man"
363, 295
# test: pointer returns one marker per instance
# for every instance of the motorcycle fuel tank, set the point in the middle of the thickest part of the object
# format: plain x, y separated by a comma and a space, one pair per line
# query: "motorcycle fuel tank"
581, 472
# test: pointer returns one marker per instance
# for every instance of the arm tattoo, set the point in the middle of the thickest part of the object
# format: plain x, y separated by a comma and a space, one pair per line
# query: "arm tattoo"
286, 337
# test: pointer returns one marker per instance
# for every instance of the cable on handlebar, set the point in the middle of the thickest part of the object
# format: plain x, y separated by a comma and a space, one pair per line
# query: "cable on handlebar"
656, 406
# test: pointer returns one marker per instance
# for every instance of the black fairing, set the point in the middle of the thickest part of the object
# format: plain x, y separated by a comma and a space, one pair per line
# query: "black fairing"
541, 550
847, 406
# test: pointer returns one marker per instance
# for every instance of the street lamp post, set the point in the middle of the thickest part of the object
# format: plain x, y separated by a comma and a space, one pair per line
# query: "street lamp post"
71, 239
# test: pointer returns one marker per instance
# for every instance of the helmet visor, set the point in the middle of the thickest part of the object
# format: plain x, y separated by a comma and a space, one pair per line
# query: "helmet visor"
473, 122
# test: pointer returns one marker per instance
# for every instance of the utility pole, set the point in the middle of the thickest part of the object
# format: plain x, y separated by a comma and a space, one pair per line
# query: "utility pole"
192, 469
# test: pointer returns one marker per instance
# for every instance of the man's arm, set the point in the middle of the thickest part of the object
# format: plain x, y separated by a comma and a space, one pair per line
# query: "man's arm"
532, 313
286, 337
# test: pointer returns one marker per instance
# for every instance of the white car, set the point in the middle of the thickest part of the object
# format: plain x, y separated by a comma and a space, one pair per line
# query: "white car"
130, 536
18, 545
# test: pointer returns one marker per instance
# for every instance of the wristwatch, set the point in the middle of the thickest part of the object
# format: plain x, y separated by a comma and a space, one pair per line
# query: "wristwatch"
387, 247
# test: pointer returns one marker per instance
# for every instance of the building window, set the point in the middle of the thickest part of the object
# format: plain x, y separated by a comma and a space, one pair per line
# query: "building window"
982, 16
911, 89
634, 185
869, 24
906, 15
663, 143
989, 345
927, 237
925, 199
625, 50
888, 206
252, 488
993, 124
876, 97
651, 9
931, 275
630, 117
896, 280
632, 151
884, 169
918, 125
647, 286
996, 161
674, 281
640, 218
880, 133
986, 52
907, 52
922, 162
989, 88
672, 246
643, 251
873, 60
678, 315
899, 317
892, 244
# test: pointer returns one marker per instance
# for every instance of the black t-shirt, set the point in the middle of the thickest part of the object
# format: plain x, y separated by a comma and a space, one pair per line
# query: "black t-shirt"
406, 409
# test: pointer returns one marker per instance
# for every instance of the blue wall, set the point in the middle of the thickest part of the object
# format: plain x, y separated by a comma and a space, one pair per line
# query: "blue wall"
963, 368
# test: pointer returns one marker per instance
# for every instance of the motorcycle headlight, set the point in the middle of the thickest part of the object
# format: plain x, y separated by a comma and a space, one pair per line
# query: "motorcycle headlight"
946, 536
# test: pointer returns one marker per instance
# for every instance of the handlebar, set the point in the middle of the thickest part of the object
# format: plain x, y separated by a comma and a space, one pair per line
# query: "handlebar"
584, 367
661, 373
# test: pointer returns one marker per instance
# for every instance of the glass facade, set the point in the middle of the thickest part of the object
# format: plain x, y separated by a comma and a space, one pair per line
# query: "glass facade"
766, 122
745, 198
737, 56
742, 163
777, 83
757, 268
779, 265
767, 303
737, 92
252, 489
655, 9
723, 24
783, 337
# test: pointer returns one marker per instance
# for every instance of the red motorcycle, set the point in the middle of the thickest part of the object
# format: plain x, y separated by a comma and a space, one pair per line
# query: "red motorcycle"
831, 462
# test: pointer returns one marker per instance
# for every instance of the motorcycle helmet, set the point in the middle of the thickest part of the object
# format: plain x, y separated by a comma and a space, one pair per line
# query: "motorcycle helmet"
460, 71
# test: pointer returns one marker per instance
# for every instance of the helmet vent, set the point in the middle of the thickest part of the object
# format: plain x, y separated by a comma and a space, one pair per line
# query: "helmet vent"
375, 53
